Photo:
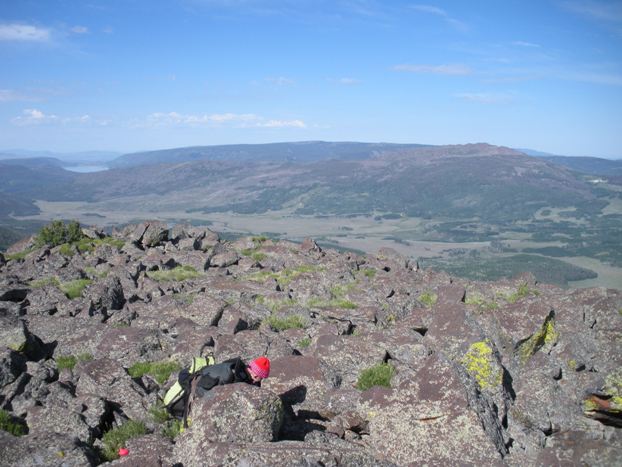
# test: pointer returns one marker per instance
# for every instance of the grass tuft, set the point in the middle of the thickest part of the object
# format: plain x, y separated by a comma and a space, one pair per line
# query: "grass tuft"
69, 361
159, 370
278, 323
178, 274
304, 343
73, 289
9, 424
377, 375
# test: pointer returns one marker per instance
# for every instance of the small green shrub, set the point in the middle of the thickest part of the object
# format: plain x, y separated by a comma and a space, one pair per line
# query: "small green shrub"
10, 424
428, 298
57, 232
73, 289
279, 324
378, 375
117, 437
178, 274
159, 370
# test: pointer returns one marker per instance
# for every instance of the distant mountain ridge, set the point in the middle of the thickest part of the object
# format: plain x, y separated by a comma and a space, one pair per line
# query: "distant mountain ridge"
299, 152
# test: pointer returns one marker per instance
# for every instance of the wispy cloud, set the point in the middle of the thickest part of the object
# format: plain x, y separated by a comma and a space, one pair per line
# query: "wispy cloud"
34, 117
348, 81
486, 97
37, 117
455, 69
163, 119
436, 11
282, 124
80, 29
525, 44
280, 81
7, 95
23, 33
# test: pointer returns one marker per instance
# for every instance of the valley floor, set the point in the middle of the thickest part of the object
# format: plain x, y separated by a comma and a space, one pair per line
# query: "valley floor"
364, 233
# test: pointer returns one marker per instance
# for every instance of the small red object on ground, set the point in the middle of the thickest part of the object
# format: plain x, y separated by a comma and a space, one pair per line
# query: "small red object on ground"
123, 452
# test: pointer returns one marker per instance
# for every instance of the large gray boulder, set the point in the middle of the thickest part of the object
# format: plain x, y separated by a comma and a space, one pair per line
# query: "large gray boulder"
235, 413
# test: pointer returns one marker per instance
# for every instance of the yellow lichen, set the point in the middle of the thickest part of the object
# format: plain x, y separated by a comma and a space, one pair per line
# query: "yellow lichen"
613, 388
545, 336
480, 363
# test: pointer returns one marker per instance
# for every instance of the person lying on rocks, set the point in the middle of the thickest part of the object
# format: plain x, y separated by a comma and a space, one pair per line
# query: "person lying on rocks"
203, 375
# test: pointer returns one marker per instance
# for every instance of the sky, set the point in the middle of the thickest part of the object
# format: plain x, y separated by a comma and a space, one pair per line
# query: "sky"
132, 75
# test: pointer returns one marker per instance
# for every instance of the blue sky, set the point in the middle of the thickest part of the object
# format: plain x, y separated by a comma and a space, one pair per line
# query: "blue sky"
130, 75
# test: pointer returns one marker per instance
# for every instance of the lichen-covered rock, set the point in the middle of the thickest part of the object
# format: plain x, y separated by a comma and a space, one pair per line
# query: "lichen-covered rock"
107, 379
45, 449
427, 420
510, 372
233, 413
106, 296
155, 232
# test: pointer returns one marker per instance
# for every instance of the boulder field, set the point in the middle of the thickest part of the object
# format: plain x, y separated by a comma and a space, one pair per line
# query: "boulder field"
374, 361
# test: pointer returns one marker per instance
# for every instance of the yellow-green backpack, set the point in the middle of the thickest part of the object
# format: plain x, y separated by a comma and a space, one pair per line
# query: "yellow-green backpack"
176, 392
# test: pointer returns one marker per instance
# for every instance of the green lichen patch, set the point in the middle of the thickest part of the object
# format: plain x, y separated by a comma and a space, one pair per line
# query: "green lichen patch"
545, 337
480, 363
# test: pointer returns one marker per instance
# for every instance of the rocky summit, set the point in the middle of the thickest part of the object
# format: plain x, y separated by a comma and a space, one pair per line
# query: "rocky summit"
374, 360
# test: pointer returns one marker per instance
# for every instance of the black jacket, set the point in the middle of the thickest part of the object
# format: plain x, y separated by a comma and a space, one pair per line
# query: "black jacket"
229, 371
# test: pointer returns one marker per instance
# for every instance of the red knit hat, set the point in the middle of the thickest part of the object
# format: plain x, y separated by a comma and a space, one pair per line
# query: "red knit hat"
260, 366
